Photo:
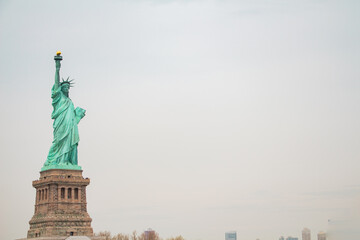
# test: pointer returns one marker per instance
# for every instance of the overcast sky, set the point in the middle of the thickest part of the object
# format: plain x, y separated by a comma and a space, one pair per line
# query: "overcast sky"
202, 116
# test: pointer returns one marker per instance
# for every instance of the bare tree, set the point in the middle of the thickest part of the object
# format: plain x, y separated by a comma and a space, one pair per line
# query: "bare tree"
105, 234
176, 238
121, 236
147, 235
134, 236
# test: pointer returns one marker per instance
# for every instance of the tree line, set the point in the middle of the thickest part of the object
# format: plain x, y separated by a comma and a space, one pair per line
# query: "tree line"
150, 235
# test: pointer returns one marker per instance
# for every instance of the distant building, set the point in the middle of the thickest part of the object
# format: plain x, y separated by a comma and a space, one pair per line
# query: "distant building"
321, 236
306, 234
150, 234
292, 238
230, 235
281, 238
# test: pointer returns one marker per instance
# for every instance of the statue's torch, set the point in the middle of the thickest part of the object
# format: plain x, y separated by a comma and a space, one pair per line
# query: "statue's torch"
57, 59
58, 56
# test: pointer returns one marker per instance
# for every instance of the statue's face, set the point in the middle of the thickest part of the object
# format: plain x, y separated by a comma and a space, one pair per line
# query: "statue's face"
65, 88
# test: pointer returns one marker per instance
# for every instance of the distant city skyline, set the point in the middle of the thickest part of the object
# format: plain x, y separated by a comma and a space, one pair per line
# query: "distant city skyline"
306, 234
322, 236
231, 235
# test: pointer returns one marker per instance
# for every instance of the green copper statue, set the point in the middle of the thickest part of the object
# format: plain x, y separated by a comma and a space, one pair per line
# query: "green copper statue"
63, 152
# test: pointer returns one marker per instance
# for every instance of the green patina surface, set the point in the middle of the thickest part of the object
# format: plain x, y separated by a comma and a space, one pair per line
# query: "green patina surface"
63, 152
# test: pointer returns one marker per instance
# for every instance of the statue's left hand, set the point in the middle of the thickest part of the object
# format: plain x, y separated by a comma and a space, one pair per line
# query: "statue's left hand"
79, 114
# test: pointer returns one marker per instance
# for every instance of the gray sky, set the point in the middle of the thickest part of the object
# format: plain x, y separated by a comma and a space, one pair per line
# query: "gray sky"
202, 116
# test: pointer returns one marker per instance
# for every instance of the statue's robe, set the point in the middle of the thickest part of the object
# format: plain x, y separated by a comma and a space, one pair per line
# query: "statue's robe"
66, 135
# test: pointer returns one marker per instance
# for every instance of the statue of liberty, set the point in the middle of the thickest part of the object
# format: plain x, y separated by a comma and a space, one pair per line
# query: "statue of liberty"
63, 152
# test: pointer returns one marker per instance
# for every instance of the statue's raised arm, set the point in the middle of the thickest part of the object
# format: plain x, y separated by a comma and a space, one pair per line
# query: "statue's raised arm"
57, 59
63, 152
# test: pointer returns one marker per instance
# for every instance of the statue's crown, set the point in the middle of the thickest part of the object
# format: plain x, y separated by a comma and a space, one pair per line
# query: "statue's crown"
67, 81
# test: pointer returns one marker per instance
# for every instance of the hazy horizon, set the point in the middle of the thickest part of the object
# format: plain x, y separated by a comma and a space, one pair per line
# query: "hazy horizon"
201, 116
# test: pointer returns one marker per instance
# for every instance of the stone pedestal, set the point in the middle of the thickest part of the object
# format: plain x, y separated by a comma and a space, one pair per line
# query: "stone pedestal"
60, 205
